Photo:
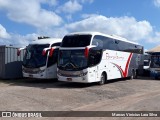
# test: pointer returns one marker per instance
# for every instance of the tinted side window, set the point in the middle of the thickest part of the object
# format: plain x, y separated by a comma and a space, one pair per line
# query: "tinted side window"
110, 44
129, 47
56, 44
76, 41
98, 42
103, 42
123, 46
94, 57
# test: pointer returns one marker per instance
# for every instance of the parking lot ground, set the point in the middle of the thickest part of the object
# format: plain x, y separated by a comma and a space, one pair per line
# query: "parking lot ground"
141, 94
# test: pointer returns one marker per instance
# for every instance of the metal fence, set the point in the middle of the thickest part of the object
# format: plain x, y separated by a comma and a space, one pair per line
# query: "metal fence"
10, 63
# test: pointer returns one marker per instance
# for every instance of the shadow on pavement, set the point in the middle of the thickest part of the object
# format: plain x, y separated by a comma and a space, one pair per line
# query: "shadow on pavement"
44, 83
54, 83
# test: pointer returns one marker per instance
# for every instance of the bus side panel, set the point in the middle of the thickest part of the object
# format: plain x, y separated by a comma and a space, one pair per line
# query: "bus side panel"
113, 71
120, 64
136, 64
117, 63
51, 72
102, 67
133, 64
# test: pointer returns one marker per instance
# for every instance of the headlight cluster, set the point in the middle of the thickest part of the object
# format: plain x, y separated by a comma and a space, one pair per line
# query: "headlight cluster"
83, 74
59, 73
32, 71
40, 71
71, 73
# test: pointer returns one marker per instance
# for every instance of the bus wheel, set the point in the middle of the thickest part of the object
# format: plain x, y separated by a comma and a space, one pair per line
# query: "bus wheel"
103, 79
134, 74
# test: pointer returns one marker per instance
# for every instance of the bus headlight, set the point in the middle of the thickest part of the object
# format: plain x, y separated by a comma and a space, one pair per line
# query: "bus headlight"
32, 70
40, 71
59, 73
83, 74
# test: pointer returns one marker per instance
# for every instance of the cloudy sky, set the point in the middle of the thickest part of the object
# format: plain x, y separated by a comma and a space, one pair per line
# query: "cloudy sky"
21, 21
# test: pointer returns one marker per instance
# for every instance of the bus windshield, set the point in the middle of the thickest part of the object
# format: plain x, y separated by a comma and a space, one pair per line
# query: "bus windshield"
72, 60
76, 41
155, 62
33, 57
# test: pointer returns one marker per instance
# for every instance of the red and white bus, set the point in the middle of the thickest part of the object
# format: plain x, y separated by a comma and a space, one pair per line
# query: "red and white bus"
88, 57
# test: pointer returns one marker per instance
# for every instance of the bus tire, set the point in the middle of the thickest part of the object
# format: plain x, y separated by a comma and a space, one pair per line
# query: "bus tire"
103, 79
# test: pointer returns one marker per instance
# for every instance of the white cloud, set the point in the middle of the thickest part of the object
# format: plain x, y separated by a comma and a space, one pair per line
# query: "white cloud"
69, 17
84, 16
70, 7
84, 1
15, 39
30, 12
57, 32
154, 38
23, 40
157, 3
126, 27
18, 40
3, 33
50, 2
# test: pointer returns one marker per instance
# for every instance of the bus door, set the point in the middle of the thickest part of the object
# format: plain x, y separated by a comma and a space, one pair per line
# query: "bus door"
94, 59
93, 72
52, 64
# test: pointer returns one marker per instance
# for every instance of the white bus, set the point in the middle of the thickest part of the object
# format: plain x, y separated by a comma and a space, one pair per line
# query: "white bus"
88, 57
40, 59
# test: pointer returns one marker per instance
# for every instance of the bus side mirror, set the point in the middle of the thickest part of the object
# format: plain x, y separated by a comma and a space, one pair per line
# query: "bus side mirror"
44, 52
51, 52
87, 49
19, 51
86, 52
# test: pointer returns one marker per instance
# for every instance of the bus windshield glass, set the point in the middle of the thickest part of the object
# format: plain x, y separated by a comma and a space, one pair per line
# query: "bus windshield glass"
72, 60
33, 57
76, 41
155, 62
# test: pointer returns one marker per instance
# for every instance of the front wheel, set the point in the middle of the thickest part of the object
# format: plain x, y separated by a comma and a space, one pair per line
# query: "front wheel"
103, 79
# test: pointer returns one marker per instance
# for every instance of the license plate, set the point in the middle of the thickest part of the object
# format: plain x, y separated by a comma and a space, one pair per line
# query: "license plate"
69, 79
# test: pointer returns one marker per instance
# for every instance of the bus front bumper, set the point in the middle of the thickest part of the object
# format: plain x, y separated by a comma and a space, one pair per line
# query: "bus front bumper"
38, 76
83, 79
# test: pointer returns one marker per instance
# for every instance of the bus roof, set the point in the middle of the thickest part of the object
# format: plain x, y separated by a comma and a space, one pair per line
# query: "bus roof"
102, 34
46, 41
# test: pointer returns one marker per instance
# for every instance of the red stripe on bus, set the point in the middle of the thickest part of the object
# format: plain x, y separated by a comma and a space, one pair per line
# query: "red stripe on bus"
122, 73
125, 73
127, 65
